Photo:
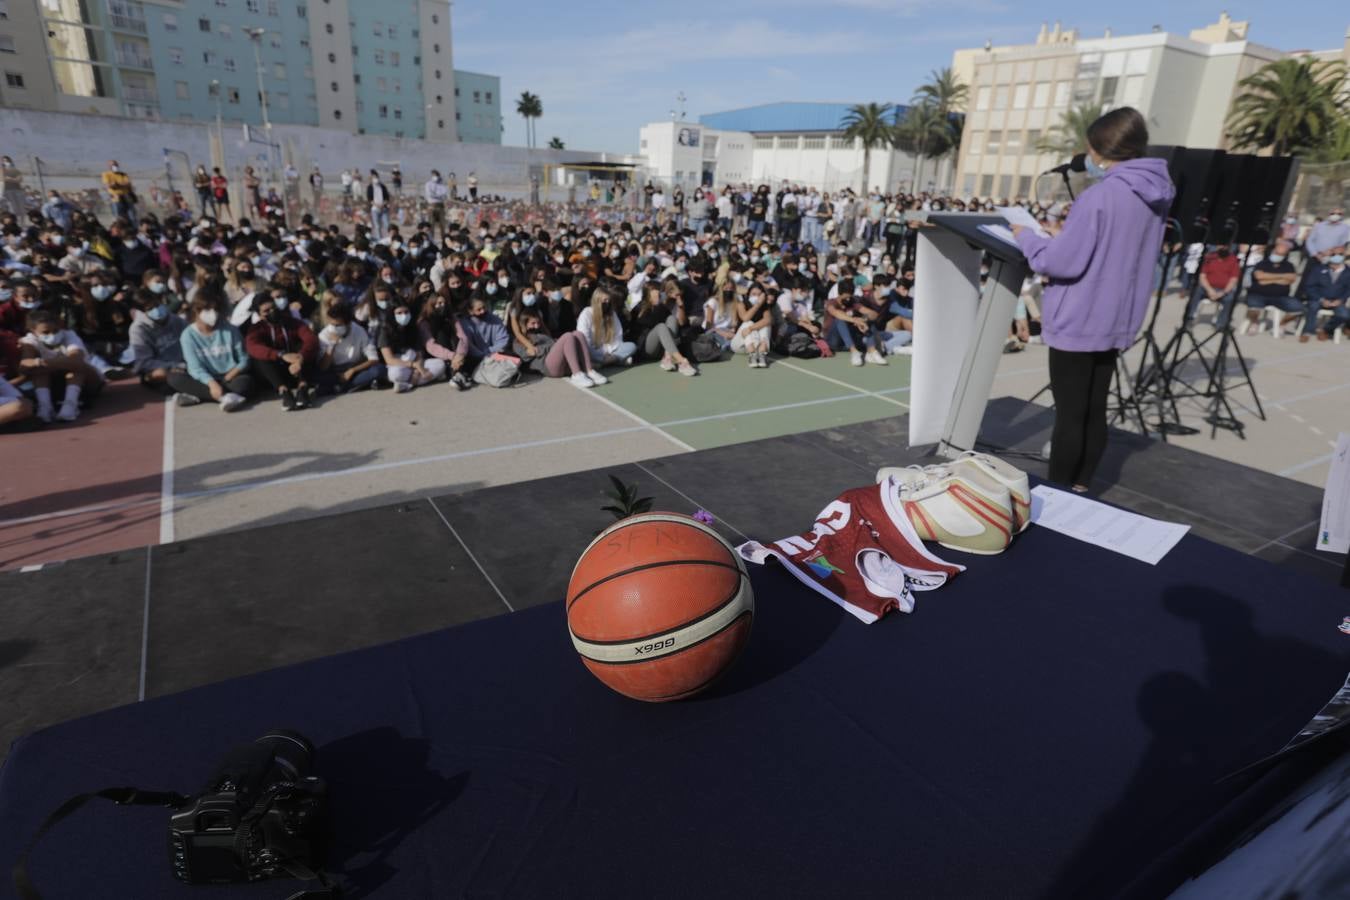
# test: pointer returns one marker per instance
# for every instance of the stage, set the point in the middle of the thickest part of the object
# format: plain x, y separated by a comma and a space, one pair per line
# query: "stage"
1050, 724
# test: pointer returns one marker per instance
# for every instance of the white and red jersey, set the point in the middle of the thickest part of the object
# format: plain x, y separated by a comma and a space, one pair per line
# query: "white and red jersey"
862, 553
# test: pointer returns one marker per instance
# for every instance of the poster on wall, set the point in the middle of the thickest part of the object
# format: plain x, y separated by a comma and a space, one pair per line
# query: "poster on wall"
687, 137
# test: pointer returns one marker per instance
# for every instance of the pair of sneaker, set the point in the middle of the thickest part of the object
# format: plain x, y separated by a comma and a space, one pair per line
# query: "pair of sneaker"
228, 402
975, 503
684, 368
461, 381
759, 360
587, 379
872, 357
300, 398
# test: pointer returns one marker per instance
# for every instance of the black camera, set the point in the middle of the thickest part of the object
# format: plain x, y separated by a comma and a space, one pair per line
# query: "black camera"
262, 815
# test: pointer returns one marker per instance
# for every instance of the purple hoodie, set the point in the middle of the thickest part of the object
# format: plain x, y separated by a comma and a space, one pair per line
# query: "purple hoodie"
1102, 265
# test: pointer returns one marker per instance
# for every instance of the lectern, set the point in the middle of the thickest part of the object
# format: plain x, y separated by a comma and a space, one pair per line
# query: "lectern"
961, 329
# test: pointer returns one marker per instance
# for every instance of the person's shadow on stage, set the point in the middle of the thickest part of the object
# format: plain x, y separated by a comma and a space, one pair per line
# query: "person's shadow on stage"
382, 790
1202, 730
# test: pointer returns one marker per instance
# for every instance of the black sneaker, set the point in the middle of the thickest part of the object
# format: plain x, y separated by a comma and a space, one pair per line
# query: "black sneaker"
305, 395
287, 400
461, 381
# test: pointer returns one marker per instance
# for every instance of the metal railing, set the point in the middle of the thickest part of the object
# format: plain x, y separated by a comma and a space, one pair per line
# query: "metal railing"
126, 23
133, 59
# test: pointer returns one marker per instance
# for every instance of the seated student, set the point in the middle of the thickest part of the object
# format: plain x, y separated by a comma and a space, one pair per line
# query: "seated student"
531, 351
213, 351
568, 354
105, 320
404, 352
656, 322
896, 315
719, 315
155, 346
157, 283
14, 406
443, 337
1273, 279
54, 356
559, 315
284, 351
348, 359
484, 331
754, 330
851, 324
602, 328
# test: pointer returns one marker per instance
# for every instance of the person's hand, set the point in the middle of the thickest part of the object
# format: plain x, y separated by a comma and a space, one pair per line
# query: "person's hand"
74, 352
1052, 228
1017, 230
346, 376
294, 368
864, 327
216, 390
291, 358
1023, 330
33, 364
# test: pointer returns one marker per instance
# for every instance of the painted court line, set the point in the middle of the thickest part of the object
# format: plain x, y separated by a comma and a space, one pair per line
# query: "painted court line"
472, 558
1285, 473
636, 418
743, 535
166, 476
845, 384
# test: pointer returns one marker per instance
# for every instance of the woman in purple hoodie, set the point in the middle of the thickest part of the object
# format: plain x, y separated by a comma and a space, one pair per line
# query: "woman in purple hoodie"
1100, 264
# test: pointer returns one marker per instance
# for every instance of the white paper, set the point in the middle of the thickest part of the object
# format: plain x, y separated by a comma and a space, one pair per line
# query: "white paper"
1001, 232
1333, 534
1085, 519
1017, 215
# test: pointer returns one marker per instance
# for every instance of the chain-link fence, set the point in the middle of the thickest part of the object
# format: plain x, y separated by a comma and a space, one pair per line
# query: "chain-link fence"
1320, 189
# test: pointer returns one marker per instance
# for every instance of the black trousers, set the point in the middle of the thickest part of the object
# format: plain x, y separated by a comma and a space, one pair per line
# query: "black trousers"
278, 374
241, 384
1079, 382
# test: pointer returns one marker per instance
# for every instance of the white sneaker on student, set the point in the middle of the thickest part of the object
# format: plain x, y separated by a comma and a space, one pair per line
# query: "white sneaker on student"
667, 364
580, 380
875, 358
231, 402
856, 357
596, 378
402, 387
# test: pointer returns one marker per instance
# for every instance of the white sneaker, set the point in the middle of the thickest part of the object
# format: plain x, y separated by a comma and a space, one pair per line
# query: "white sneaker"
876, 359
905, 350
580, 380
402, 387
687, 370
856, 357
231, 402
962, 510
69, 412
596, 378
979, 467
668, 365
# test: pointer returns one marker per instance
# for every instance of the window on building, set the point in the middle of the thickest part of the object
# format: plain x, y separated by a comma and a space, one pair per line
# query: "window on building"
1012, 145
337, 113
229, 64
377, 29
384, 111
176, 55
180, 90
417, 60
273, 9
982, 98
1004, 186
1024, 186
976, 143
334, 86
763, 143
304, 43
1000, 98
440, 123
356, 78
275, 41
253, 6
301, 11
278, 70
232, 95
488, 96
379, 57
435, 19
398, 85
393, 57
1020, 96
1062, 91
438, 99
398, 112
360, 107
14, 80
332, 57
393, 31
213, 89
204, 25
4, 10
209, 57
1040, 97
283, 100
968, 185
381, 84
438, 74
810, 143
457, 90
986, 185
457, 116
994, 143
170, 22
328, 27
477, 96
356, 51
1033, 138
223, 4
224, 30
1109, 86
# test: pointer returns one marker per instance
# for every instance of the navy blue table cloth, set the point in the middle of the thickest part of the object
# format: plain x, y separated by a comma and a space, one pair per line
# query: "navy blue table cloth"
1045, 725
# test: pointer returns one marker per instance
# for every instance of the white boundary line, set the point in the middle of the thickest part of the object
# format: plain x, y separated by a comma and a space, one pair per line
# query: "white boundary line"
472, 558
851, 387
166, 476
1288, 534
743, 535
1285, 473
1297, 397
635, 417
145, 628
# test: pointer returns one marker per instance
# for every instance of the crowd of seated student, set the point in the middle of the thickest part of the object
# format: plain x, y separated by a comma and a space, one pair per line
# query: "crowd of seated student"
223, 313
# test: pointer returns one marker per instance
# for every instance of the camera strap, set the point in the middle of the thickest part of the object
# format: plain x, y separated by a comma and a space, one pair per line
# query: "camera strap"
124, 796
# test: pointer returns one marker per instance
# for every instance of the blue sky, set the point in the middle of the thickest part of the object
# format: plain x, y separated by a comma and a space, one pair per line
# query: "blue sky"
603, 69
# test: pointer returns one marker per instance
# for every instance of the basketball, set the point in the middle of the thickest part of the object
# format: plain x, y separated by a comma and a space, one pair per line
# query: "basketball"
659, 606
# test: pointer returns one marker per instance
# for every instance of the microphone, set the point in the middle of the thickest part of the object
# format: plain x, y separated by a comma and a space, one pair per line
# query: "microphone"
1077, 164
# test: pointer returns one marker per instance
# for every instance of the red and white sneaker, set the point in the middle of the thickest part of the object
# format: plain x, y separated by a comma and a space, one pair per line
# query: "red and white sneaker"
960, 510
988, 467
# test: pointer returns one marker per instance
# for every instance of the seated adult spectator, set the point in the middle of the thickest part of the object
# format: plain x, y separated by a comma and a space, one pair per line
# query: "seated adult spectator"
443, 337
213, 352
53, 356
853, 325
796, 315
404, 351
754, 330
602, 328
285, 352
155, 341
1273, 280
1327, 288
1219, 276
485, 332
719, 315
656, 322
348, 359
567, 353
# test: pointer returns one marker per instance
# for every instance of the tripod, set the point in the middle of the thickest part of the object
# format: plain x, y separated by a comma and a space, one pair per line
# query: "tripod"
1149, 380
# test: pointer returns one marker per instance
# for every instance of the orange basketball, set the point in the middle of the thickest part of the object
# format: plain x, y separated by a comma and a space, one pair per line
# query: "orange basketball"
659, 606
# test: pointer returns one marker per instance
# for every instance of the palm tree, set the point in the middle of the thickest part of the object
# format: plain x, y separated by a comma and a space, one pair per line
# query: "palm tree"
556, 144
1069, 136
530, 107
926, 134
1289, 106
873, 124
948, 95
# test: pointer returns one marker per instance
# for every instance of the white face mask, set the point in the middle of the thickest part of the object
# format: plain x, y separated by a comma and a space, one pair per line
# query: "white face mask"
338, 330
1276, 257
51, 340
491, 288
208, 317
503, 281
382, 304
402, 318
1334, 217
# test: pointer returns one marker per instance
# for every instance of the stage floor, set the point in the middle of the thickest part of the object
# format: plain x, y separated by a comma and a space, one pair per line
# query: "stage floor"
106, 630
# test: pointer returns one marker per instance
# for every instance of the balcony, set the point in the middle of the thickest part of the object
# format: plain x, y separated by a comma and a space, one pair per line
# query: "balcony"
126, 23
146, 96
133, 59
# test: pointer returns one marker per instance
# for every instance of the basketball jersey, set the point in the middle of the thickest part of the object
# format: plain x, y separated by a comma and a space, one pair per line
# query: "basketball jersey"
862, 553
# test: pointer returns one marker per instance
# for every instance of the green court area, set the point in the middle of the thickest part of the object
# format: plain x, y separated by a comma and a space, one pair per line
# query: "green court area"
730, 402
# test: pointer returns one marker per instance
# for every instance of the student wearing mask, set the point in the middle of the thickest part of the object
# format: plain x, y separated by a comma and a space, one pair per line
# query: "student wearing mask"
656, 322
754, 330
53, 356
484, 332
155, 335
567, 354
217, 366
1327, 288
105, 317
240, 281
284, 351
602, 328
348, 359
854, 325
403, 351
1100, 266
1219, 277
1272, 280
443, 338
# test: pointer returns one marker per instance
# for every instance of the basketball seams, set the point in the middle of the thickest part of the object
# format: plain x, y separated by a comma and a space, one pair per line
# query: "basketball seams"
647, 517
645, 567
736, 590
675, 651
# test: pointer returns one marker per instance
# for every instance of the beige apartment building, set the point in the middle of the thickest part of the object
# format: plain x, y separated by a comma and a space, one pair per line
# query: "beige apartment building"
1184, 86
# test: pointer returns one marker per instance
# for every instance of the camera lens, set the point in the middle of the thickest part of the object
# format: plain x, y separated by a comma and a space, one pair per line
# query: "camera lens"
291, 752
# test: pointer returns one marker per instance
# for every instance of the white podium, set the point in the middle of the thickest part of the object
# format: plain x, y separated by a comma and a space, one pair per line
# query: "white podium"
960, 335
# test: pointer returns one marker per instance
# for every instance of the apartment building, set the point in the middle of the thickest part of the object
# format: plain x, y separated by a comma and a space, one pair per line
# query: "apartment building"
478, 107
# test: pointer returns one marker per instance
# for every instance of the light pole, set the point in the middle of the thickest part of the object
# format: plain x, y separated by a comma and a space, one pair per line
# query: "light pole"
255, 34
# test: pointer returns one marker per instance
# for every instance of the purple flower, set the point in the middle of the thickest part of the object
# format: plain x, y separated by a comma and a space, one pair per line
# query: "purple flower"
702, 515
